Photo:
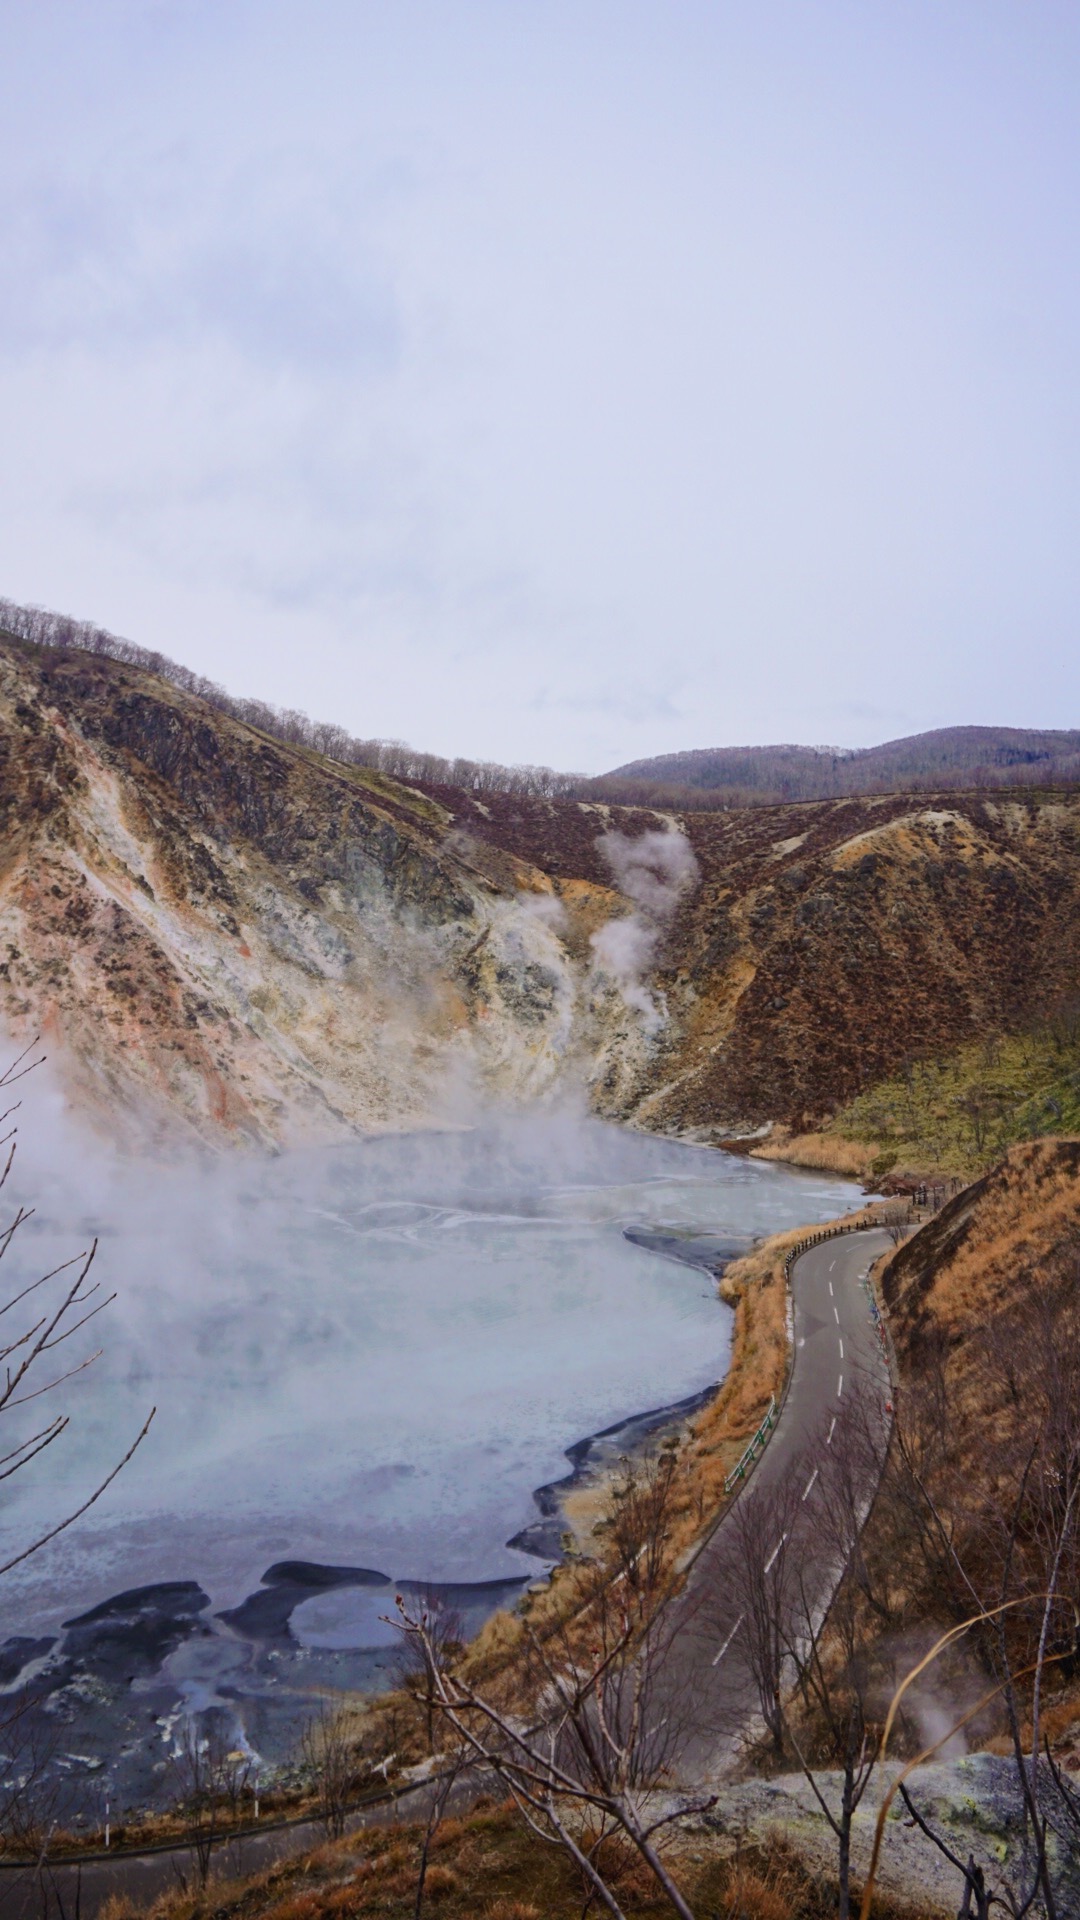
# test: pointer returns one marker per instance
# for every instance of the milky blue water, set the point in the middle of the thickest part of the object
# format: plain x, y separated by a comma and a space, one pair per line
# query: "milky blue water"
370, 1354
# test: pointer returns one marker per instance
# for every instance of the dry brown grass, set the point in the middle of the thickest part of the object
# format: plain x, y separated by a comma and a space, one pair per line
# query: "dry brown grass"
825, 1152
974, 1298
1027, 1208
491, 1868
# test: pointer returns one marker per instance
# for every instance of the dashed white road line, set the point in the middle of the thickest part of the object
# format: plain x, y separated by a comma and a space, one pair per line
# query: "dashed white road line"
717, 1657
836, 1311
841, 1349
840, 1385
772, 1557
810, 1482
832, 1429
830, 1286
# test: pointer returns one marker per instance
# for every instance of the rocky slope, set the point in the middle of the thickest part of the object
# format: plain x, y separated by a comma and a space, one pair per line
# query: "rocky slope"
828, 942
213, 929
217, 930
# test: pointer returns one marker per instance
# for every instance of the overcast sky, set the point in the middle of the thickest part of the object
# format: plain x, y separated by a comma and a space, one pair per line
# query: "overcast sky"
558, 382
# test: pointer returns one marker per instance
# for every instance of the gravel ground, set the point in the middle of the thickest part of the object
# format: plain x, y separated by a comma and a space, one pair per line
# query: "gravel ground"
973, 1802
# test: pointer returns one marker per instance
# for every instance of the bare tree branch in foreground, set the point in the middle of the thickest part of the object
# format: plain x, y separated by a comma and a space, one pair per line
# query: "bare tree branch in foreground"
37, 1319
807, 1605
589, 1739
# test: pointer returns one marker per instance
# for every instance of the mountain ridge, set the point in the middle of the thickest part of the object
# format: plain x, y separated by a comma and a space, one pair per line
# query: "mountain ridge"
701, 778
236, 936
943, 756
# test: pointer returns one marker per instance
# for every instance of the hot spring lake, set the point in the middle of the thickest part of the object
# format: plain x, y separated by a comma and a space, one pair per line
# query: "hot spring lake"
368, 1356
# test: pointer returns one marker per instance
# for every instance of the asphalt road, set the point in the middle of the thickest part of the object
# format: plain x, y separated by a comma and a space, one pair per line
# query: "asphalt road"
836, 1346
837, 1353
79, 1893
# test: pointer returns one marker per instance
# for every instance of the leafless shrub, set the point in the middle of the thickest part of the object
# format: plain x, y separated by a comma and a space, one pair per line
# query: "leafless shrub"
412, 1672
328, 1748
592, 1726
38, 1319
197, 1763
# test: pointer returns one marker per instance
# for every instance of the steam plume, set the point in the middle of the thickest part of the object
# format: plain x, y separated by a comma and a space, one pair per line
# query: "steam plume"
654, 871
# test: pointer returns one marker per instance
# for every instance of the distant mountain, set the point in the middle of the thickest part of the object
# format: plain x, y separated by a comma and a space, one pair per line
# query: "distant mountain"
948, 757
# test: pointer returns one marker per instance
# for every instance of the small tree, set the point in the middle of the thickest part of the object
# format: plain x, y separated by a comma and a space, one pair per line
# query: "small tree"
329, 1754
412, 1671
199, 1770
829, 1625
832, 1670
592, 1723
761, 1537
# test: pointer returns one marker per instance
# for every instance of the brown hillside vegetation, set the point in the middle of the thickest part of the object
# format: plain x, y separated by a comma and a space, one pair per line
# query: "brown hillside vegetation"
237, 932
829, 941
987, 1254
487, 1866
979, 1502
984, 1307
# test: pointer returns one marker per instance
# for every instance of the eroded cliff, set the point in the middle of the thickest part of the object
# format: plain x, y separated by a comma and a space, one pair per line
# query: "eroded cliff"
220, 931
212, 928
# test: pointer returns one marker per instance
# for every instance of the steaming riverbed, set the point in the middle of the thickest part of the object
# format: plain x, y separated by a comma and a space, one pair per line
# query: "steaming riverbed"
375, 1353
369, 1356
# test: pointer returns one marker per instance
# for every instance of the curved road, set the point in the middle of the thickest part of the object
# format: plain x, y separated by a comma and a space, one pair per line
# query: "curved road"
835, 1345
837, 1351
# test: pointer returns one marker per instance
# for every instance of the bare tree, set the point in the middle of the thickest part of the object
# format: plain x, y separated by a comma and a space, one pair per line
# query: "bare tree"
1003, 1547
328, 1748
981, 1106
586, 1733
833, 1676
209, 1779
412, 1671
38, 1319
452, 1765
762, 1536
830, 1618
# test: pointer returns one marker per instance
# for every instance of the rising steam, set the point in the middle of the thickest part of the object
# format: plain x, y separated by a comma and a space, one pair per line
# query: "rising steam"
654, 871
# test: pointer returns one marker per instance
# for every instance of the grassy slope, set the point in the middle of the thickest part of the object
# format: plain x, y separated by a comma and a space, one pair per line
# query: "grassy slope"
960, 1114
983, 1255
956, 1115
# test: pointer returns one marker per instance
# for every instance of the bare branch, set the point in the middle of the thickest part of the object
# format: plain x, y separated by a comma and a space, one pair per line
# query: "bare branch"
16, 1071
86, 1505
35, 1445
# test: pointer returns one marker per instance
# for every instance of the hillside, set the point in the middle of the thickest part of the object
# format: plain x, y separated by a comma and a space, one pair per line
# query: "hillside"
212, 928
947, 757
222, 929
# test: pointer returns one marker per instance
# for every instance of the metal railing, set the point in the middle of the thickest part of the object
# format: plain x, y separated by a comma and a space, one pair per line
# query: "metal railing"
757, 1445
742, 1466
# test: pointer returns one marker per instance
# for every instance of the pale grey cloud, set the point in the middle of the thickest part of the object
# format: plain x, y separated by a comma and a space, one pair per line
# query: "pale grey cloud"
120, 265
567, 384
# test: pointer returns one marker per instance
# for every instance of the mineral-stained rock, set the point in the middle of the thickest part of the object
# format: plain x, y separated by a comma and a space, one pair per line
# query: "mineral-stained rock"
225, 934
